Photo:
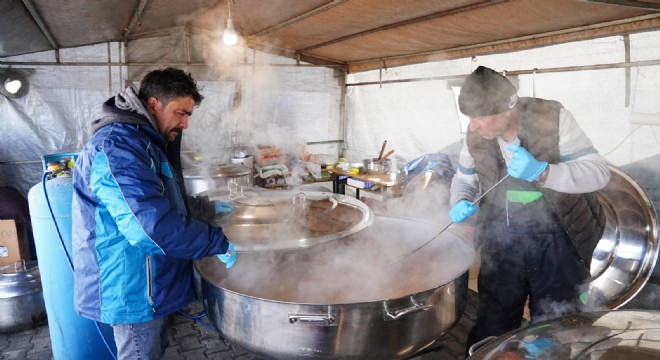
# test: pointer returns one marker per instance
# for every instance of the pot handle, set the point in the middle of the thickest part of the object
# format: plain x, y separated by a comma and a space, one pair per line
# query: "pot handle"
312, 319
393, 315
476, 346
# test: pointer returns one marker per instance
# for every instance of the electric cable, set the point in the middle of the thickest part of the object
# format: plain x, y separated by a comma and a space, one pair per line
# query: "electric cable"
198, 318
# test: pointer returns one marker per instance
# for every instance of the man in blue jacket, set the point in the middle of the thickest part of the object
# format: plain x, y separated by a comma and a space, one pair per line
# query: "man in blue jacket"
134, 234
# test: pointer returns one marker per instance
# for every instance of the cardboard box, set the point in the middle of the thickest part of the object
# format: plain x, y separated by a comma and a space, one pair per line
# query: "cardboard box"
13, 243
269, 155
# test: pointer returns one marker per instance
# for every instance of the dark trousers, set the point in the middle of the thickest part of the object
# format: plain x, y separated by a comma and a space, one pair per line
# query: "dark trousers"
520, 263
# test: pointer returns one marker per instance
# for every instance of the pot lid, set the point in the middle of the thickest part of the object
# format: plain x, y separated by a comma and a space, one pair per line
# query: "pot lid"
615, 334
625, 256
19, 278
288, 219
203, 171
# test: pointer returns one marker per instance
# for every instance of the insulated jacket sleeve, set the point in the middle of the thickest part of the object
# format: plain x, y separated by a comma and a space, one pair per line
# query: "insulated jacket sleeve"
201, 208
145, 207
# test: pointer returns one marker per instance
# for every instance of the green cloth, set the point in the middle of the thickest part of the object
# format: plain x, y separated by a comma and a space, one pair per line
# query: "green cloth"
523, 196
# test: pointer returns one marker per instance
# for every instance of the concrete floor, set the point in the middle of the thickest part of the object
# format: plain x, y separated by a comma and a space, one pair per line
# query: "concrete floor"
190, 340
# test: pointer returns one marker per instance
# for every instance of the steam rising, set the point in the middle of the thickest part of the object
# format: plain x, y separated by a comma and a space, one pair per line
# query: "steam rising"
249, 102
354, 269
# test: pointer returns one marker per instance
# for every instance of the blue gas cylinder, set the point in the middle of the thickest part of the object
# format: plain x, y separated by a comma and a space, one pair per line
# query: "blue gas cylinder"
72, 336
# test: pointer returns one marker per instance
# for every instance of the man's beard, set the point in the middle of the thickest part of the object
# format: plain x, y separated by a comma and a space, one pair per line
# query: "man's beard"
173, 134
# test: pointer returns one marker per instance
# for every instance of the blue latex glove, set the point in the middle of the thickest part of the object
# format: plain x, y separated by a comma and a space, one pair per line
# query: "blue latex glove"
461, 211
223, 207
523, 165
538, 347
229, 258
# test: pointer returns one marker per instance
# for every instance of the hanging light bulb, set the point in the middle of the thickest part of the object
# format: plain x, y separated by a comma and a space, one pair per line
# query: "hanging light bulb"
229, 37
12, 85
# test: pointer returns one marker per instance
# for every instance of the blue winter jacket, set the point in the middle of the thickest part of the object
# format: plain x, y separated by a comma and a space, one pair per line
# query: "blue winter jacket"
132, 239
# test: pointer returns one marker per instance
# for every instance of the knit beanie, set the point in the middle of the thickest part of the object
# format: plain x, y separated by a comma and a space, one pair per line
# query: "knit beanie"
486, 92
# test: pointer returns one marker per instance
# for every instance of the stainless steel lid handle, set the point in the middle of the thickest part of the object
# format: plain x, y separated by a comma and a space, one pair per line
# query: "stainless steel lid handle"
299, 202
476, 346
235, 191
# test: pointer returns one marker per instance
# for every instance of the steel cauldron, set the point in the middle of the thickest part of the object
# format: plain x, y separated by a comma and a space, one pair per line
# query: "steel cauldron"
342, 299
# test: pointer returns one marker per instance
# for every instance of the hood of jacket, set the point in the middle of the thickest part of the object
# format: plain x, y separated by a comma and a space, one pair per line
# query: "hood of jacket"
125, 107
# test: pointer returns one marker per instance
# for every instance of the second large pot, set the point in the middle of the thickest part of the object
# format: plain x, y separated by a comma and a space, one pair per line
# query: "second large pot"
343, 299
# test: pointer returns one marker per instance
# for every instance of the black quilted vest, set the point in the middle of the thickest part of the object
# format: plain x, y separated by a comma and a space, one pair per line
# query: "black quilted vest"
581, 215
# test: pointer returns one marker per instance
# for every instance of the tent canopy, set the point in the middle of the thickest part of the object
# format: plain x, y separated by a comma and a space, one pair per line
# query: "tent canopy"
358, 34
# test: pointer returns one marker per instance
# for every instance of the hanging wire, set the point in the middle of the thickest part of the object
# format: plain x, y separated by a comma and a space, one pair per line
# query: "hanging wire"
632, 108
623, 140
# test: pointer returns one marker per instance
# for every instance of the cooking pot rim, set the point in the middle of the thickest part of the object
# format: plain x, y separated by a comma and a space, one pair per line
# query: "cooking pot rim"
463, 273
419, 293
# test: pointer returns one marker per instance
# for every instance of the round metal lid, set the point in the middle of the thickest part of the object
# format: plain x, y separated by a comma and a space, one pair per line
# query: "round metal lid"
203, 171
18, 279
616, 334
288, 219
624, 258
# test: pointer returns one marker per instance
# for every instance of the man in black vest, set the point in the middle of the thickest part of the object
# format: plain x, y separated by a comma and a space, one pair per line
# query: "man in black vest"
537, 229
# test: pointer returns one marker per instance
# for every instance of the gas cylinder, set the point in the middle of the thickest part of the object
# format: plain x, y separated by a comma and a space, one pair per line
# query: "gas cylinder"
72, 336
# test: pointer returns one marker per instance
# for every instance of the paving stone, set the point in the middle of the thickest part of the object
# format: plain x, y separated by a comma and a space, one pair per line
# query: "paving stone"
20, 341
184, 330
14, 354
40, 355
172, 352
190, 342
214, 345
193, 354
41, 344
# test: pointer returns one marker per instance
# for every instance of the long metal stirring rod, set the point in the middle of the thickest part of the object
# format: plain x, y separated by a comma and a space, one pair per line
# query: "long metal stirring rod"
450, 223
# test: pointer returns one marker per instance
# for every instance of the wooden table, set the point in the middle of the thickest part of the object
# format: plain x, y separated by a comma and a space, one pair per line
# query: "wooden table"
382, 182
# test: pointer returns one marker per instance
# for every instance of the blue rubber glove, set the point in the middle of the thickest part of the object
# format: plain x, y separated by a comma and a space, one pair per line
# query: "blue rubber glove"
523, 165
223, 207
229, 258
461, 211
538, 347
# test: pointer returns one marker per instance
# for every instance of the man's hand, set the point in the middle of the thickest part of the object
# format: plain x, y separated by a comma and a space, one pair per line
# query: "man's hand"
229, 258
223, 207
523, 165
461, 211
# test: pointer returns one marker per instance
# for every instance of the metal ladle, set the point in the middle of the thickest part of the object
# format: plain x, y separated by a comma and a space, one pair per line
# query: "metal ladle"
448, 225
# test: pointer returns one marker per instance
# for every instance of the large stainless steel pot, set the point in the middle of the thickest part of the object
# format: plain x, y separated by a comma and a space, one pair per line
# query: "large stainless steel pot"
605, 335
625, 257
21, 297
340, 299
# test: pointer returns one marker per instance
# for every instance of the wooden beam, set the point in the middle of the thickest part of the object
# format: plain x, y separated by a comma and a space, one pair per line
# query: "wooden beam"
629, 3
619, 27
